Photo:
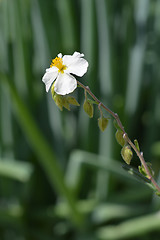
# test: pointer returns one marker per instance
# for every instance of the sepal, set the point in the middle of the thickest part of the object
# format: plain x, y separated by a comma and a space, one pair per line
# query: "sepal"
58, 101
71, 100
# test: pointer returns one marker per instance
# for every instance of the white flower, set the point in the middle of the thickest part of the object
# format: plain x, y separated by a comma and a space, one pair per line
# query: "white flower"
60, 70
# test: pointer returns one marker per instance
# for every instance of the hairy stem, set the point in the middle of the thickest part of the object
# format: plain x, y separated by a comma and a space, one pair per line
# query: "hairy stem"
125, 135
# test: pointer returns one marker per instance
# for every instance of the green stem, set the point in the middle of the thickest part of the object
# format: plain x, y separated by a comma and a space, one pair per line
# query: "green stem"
125, 136
99, 107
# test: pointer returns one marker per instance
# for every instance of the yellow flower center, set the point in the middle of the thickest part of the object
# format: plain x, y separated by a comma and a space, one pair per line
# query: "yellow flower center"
57, 62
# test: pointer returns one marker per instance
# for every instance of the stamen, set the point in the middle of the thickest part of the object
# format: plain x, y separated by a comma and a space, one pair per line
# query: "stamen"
58, 62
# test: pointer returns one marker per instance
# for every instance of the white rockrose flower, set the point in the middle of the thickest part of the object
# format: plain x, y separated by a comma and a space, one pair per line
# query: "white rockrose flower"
59, 72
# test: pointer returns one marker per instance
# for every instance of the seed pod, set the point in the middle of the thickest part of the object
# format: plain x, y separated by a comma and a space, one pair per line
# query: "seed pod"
127, 154
58, 101
88, 108
103, 123
119, 137
72, 101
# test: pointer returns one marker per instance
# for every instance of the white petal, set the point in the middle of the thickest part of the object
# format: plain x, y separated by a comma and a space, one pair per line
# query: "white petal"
79, 67
75, 64
77, 54
65, 84
70, 59
60, 55
49, 77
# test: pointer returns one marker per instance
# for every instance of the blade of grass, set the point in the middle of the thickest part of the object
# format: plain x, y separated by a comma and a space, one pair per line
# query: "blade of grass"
104, 49
80, 161
137, 58
89, 135
44, 153
131, 228
6, 125
40, 41
18, 49
104, 67
67, 24
15, 170
110, 211
12, 215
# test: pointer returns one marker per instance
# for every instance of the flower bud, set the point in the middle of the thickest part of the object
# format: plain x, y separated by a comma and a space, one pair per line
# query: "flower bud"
119, 137
58, 101
143, 171
136, 144
127, 154
88, 108
72, 101
103, 123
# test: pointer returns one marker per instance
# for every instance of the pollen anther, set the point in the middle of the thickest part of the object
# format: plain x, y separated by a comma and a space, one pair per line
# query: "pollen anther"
58, 62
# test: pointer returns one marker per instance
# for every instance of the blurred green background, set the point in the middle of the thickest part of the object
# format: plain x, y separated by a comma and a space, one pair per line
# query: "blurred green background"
60, 177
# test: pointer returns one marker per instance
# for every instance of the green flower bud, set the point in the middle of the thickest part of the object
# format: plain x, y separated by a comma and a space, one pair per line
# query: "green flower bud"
127, 154
136, 144
119, 137
103, 123
143, 171
58, 101
88, 108
72, 101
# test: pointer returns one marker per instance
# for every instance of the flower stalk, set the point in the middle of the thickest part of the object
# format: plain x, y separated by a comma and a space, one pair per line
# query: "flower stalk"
125, 135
